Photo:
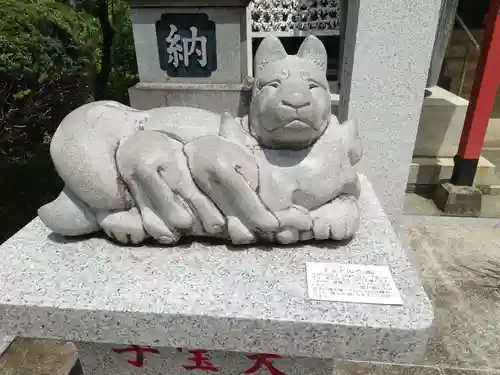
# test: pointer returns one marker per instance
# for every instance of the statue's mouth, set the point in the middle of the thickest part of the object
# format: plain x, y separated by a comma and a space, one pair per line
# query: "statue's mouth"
295, 125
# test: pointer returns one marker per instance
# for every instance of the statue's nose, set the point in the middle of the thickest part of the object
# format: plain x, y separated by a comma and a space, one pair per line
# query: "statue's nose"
296, 101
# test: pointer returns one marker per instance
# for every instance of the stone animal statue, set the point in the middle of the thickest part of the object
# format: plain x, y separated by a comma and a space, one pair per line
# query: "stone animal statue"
284, 173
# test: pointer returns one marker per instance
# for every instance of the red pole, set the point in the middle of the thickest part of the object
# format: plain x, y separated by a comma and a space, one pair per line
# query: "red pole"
484, 89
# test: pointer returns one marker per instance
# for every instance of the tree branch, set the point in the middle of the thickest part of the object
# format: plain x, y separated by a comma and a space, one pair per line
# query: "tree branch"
108, 34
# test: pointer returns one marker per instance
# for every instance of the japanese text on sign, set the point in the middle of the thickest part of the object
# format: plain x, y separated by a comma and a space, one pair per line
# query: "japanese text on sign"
181, 50
352, 283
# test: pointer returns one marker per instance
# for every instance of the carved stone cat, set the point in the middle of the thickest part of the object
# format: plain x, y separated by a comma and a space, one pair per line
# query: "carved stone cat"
283, 174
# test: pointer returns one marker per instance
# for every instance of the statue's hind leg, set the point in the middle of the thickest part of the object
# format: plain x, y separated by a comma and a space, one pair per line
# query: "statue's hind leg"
95, 196
68, 215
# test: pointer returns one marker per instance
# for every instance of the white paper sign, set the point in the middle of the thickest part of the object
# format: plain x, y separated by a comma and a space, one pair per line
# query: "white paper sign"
352, 283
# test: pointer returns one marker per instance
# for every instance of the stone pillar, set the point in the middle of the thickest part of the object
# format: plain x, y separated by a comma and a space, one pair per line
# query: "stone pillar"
343, 20
191, 54
386, 58
443, 33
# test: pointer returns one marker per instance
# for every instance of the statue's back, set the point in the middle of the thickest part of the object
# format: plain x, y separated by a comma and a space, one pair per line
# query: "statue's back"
183, 123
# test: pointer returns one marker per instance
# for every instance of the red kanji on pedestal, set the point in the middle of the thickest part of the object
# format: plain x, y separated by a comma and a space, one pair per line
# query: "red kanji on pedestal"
263, 360
200, 361
139, 354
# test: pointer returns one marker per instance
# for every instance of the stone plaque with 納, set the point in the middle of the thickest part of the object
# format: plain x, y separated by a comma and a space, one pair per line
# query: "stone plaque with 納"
352, 283
187, 44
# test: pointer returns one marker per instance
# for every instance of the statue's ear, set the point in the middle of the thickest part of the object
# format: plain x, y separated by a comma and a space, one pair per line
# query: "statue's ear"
270, 50
314, 50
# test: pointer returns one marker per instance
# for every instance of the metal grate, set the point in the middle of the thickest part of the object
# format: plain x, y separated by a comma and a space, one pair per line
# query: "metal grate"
294, 17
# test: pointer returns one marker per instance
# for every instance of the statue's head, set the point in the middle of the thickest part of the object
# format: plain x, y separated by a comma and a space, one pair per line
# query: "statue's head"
291, 103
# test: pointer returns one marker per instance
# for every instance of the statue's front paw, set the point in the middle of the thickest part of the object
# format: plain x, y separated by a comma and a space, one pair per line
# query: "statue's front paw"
338, 220
166, 235
124, 226
238, 232
264, 223
294, 221
287, 236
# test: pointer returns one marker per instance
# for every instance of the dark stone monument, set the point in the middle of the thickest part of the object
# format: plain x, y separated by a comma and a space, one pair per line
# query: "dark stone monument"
187, 44
192, 53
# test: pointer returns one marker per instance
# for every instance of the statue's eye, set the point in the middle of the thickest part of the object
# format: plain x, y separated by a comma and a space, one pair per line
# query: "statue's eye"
313, 85
274, 84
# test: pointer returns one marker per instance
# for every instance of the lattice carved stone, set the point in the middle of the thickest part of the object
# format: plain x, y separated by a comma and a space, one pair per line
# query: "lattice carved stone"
292, 15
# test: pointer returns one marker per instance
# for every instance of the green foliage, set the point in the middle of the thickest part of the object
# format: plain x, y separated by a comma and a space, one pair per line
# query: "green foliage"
44, 36
48, 55
124, 72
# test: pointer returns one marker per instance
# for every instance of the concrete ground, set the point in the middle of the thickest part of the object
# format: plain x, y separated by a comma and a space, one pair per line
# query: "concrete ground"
466, 305
466, 335
38, 357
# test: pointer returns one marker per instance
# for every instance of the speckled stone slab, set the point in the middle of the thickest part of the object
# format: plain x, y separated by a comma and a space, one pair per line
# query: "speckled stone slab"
210, 296
106, 359
5, 341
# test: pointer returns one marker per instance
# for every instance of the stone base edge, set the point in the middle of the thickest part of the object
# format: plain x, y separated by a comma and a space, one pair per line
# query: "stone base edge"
436, 170
5, 342
458, 200
234, 99
430, 189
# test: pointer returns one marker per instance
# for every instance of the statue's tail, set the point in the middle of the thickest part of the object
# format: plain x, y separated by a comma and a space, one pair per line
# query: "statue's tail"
68, 215
353, 141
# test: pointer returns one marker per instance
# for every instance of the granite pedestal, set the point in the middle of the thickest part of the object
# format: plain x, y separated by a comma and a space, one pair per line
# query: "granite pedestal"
5, 341
212, 299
